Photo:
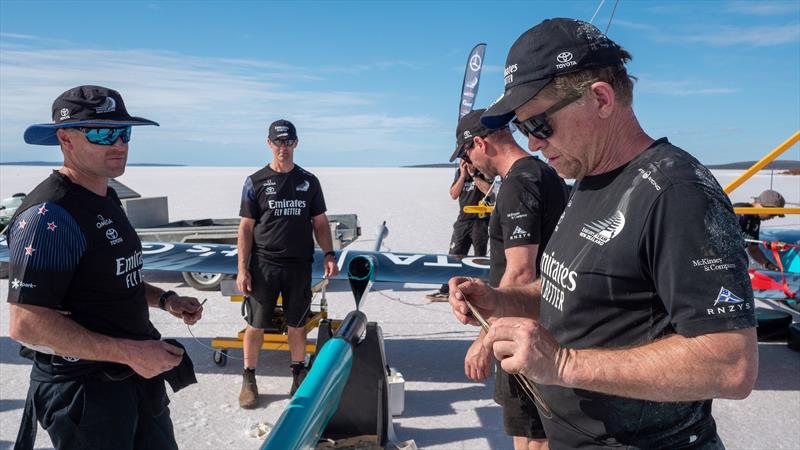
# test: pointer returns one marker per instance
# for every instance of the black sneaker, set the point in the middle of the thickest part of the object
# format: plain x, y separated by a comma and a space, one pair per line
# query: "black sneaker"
299, 372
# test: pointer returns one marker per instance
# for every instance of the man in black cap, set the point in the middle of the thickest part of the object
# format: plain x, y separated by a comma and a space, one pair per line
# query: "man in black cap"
646, 306
281, 206
750, 224
469, 187
77, 294
529, 203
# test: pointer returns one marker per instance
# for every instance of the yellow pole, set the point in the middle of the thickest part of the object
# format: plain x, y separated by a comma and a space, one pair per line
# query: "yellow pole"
763, 162
770, 211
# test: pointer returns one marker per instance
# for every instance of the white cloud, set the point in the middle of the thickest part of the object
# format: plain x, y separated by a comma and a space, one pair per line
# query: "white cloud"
763, 8
757, 36
220, 103
680, 88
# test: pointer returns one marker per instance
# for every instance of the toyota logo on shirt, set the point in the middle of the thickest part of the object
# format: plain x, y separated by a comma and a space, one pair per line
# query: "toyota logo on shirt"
111, 234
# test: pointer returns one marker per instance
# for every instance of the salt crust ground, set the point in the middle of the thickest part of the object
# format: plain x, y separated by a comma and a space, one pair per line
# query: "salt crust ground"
443, 410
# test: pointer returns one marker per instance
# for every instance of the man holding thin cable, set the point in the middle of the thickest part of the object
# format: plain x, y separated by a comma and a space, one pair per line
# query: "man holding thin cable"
281, 206
645, 309
78, 297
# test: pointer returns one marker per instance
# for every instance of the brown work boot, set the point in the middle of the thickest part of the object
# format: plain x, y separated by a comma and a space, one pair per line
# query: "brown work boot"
248, 396
299, 372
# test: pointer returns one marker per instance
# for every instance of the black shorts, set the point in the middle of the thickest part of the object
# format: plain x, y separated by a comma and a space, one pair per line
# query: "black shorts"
520, 416
291, 283
466, 233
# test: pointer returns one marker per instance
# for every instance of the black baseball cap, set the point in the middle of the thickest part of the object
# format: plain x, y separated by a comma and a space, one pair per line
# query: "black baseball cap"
554, 47
84, 106
468, 128
282, 129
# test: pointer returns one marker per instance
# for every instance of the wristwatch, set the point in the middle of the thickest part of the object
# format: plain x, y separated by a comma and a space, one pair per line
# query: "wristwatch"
330, 253
162, 301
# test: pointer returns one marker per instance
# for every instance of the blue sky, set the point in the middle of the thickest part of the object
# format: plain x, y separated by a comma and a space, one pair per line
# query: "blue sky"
378, 83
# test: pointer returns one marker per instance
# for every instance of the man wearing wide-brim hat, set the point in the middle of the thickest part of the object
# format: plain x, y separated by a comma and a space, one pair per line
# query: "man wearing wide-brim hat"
78, 297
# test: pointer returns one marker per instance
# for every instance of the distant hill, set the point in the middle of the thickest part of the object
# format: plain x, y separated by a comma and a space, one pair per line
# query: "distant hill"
784, 164
431, 166
58, 163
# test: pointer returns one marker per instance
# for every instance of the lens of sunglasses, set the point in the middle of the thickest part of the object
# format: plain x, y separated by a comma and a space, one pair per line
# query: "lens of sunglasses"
284, 142
107, 136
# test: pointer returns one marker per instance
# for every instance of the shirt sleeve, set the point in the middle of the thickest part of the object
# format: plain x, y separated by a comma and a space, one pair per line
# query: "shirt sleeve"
249, 206
45, 246
317, 200
519, 214
693, 252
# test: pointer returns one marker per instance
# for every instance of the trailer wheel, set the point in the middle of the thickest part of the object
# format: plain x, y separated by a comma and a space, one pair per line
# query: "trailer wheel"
220, 357
203, 281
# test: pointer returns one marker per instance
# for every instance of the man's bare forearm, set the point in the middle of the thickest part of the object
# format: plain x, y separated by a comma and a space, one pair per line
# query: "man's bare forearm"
51, 332
676, 368
519, 301
322, 232
244, 245
152, 294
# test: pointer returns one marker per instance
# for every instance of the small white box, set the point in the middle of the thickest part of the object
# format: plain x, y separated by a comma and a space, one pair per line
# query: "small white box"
397, 392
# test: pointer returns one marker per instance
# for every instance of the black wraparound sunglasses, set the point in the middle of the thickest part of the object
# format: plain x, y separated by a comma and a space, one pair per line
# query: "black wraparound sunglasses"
538, 125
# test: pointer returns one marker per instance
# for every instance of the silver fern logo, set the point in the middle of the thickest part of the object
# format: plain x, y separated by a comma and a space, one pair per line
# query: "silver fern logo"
602, 231
110, 105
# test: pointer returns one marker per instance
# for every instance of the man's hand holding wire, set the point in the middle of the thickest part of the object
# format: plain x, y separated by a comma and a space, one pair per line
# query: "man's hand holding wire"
480, 295
524, 346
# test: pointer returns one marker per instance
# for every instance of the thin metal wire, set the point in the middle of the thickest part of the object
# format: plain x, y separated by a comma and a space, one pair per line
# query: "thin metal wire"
597, 11
530, 390
612, 17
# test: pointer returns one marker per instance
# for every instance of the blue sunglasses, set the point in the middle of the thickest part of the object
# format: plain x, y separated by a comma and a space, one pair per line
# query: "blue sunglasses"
106, 136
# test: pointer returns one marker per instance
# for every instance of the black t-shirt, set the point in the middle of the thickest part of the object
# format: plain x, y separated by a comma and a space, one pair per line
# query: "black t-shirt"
74, 251
749, 224
282, 205
531, 199
647, 250
470, 195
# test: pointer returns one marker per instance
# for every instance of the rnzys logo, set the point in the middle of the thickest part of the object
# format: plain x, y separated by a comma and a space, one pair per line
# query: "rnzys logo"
602, 231
727, 302
519, 233
303, 187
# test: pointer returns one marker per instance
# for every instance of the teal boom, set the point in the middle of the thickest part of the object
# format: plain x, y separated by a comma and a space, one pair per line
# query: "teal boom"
302, 423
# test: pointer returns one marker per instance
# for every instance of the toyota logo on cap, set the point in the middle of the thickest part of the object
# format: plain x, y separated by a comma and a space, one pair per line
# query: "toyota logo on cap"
564, 57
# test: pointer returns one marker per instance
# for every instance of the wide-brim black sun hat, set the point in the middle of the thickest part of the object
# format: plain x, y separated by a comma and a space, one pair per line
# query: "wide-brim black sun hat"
84, 106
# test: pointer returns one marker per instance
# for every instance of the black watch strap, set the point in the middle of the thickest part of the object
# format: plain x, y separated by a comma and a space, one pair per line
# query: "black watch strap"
330, 253
162, 301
